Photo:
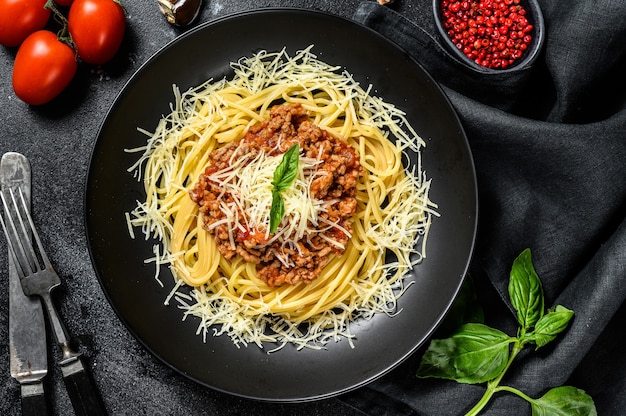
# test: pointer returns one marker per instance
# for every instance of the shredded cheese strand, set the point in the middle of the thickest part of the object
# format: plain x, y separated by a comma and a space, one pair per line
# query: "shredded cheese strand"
393, 216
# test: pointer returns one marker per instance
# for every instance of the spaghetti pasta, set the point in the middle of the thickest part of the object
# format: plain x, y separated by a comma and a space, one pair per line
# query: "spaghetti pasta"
393, 212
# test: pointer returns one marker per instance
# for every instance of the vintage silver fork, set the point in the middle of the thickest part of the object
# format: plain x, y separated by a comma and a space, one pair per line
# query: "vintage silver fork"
39, 281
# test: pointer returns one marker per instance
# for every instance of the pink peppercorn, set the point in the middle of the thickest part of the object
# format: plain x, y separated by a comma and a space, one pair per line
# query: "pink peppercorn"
492, 33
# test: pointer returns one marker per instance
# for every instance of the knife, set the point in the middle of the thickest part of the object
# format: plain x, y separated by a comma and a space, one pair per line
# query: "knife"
27, 329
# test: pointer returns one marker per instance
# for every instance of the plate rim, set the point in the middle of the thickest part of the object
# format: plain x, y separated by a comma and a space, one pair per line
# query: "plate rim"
182, 38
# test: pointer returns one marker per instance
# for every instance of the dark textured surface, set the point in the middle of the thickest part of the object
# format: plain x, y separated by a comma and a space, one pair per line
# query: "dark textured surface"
549, 144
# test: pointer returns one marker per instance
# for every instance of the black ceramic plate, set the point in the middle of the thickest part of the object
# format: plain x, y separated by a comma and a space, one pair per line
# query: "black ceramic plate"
287, 375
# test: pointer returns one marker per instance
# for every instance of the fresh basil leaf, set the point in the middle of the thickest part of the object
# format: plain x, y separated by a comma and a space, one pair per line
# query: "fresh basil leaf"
564, 401
284, 175
276, 211
525, 291
550, 325
438, 360
287, 170
475, 354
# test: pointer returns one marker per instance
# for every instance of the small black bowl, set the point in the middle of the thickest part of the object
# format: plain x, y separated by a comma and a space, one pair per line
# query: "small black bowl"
534, 17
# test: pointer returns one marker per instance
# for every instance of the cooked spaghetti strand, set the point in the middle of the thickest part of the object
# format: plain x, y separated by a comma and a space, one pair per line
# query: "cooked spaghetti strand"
389, 229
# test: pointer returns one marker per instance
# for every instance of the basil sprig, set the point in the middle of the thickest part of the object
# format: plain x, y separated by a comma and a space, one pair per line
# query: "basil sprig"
477, 353
284, 176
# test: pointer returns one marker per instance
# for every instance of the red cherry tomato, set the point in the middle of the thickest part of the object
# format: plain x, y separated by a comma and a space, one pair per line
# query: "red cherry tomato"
43, 67
20, 18
97, 29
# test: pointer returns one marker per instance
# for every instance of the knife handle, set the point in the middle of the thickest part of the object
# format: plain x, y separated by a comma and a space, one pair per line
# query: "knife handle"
34, 400
82, 390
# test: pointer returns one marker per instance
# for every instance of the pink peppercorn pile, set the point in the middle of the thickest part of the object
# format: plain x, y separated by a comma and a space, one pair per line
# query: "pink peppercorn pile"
492, 33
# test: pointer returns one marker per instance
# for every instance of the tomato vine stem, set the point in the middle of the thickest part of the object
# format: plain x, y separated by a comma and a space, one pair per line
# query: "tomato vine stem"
63, 34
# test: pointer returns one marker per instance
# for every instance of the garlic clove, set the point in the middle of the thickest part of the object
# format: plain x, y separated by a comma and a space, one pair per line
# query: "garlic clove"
180, 12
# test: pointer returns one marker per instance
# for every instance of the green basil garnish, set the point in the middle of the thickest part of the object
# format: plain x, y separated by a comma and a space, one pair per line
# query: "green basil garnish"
284, 175
477, 353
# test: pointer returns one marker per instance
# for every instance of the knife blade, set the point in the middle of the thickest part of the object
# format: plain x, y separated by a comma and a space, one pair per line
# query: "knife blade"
27, 329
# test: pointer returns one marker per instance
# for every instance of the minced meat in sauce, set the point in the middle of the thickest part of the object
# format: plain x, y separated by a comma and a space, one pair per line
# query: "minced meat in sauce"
336, 179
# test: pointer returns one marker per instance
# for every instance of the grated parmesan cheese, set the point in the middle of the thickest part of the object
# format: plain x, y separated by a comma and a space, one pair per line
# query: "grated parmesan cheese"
394, 211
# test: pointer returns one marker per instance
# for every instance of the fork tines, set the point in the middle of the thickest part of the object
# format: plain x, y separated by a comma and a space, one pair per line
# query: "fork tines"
19, 235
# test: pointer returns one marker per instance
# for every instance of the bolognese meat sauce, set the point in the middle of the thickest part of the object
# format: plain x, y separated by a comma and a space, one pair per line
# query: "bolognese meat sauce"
334, 183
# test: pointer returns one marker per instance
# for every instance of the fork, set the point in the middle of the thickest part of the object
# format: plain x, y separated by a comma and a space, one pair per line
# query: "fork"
38, 280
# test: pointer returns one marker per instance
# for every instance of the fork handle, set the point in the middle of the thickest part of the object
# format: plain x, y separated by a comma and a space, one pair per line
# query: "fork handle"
80, 386
81, 389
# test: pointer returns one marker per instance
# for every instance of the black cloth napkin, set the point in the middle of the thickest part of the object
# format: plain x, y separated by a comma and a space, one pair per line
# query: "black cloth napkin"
549, 143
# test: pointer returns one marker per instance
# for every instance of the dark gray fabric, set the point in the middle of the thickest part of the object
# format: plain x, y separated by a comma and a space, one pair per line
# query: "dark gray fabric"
549, 144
